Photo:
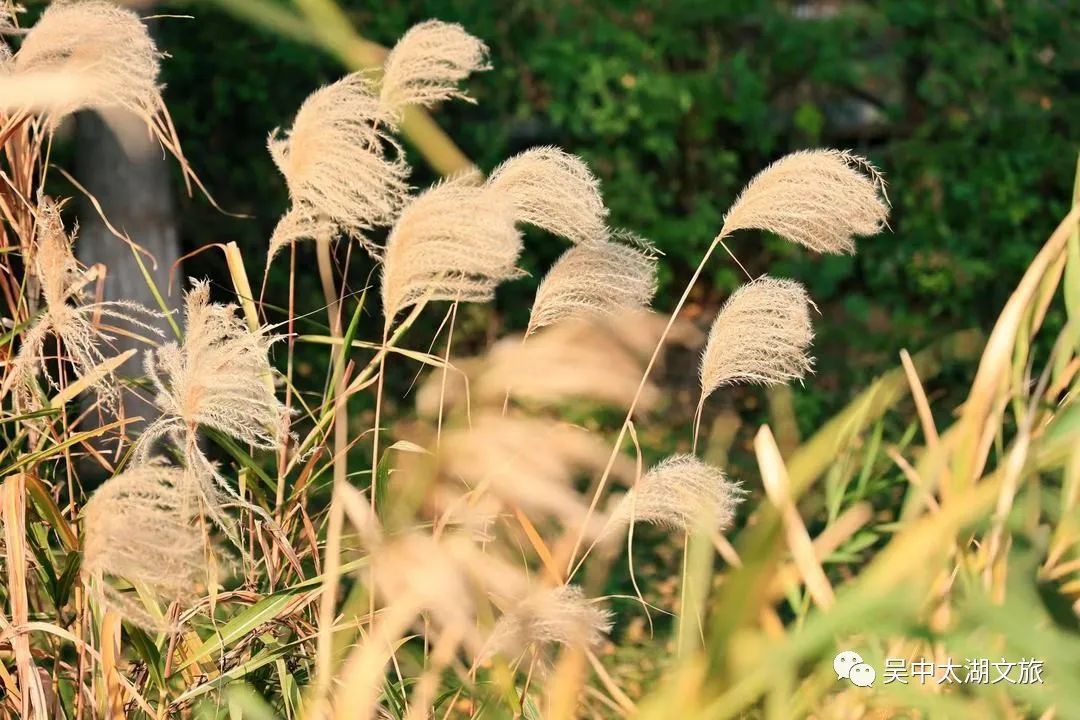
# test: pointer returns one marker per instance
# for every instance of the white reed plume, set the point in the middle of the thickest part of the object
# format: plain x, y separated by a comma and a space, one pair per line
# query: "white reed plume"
428, 62
344, 170
820, 199
596, 279
679, 493
560, 615
760, 336
219, 377
456, 241
142, 526
66, 317
554, 191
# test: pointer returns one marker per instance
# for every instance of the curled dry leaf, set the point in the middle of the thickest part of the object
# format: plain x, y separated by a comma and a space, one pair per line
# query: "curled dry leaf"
760, 336
679, 493
142, 526
428, 62
560, 615
67, 318
344, 170
820, 199
554, 190
456, 241
596, 279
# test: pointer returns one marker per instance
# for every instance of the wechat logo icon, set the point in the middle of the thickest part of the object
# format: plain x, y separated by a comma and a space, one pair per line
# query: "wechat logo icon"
849, 666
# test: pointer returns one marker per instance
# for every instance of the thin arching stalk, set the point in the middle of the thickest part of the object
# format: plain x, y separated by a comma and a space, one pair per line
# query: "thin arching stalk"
602, 484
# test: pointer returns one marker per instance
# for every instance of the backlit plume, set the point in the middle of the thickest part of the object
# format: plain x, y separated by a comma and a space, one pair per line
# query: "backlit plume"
820, 199
679, 493
560, 615
142, 526
760, 336
428, 62
554, 190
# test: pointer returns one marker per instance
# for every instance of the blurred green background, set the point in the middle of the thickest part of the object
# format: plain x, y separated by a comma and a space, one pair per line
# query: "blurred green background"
970, 108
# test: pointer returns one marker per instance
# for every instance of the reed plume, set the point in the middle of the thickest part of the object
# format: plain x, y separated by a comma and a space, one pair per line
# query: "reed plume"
679, 493
592, 358
555, 191
344, 170
142, 526
525, 463
760, 336
219, 377
428, 62
596, 279
820, 199
67, 317
91, 55
560, 615
456, 241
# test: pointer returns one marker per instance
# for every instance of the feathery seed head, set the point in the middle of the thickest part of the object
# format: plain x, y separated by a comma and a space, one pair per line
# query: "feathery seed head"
142, 526
760, 336
820, 199
219, 377
560, 615
555, 191
336, 164
456, 241
88, 54
427, 63
600, 278
678, 494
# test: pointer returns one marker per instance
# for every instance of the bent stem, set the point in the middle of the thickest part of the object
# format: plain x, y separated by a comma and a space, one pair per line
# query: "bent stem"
574, 563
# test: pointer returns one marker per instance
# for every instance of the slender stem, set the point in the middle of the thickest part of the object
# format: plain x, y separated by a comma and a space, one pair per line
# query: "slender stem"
332, 560
633, 403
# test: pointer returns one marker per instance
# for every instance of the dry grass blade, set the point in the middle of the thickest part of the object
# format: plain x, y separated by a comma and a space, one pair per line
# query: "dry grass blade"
602, 278
820, 199
456, 241
428, 62
142, 526
560, 615
679, 493
555, 191
760, 336
336, 163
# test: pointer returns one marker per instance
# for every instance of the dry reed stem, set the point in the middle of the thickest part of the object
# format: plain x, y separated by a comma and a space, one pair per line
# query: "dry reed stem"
428, 62
456, 241
820, 199
142, 526
345, 172
13, 493
596, 279
554, 191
